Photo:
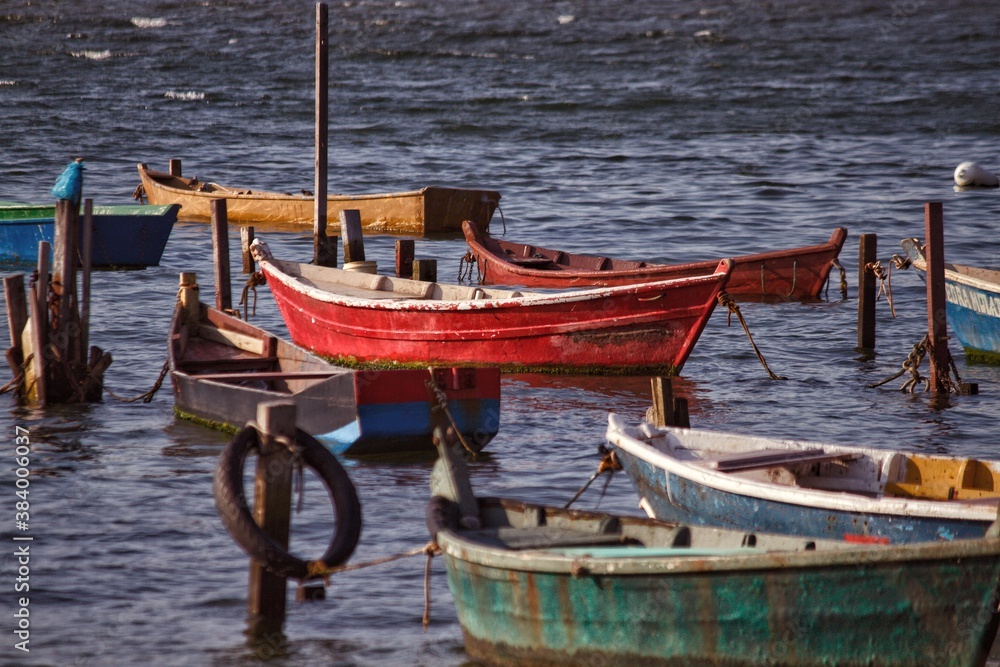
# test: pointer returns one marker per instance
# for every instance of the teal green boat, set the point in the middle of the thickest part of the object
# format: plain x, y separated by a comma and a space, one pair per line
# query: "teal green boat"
536, 585
127, 236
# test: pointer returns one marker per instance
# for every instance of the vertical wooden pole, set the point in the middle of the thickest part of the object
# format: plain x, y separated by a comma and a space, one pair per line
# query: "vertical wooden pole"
175, 167
663, 402
246, 238
937, 319
189, 297
220, 253
64, 265
866, 291
272, 512
320, 248
17, 308
404, 258
425, 269
354, 240
86, 259
38, 390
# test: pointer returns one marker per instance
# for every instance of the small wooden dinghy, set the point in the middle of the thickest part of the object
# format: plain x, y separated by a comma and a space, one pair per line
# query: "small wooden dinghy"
792, 273
124, 237
364, 318
804, 488
972, 304
222, 367
537, 585
429, 210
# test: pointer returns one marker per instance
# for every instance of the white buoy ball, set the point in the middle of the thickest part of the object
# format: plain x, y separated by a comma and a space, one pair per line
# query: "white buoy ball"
970, 174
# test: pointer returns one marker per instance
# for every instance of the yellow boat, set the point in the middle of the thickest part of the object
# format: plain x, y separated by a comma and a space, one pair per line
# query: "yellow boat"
430, 210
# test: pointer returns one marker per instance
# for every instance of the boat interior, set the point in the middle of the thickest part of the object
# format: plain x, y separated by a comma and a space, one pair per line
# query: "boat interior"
546, 259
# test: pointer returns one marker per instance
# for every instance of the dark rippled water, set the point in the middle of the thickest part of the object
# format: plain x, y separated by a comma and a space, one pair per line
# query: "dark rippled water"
663, 131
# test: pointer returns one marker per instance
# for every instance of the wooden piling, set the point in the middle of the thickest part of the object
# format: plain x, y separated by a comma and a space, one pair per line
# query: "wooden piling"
354, 240
663, 402
246, 238
86, 259
320, 244
220, 255
867, 255
35, 382
937, 319
174, 167
425, 269
189, 296
404, 258
67, 234
17, 307
272, 512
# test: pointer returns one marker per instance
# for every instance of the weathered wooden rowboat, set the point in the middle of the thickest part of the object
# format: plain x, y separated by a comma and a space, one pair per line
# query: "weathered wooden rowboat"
803, 488
430, 210
972, 304
363, 318
536, 585
128, 236
793, 273
222, 367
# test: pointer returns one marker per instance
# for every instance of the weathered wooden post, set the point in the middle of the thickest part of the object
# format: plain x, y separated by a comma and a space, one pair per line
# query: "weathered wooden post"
667, 410
246, 238
324, 253
66, 324
867, 255
189, 297
174, 167
425, 269
937, 319
35, 384
272, 511
354, 240
404, 258
17, 319
220, 255
86, 259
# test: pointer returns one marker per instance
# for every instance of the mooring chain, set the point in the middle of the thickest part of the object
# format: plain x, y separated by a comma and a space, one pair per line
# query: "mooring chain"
256, 278
465, 267
148, 396
910, 365
609, 464
885, 282
728, 302
442, 405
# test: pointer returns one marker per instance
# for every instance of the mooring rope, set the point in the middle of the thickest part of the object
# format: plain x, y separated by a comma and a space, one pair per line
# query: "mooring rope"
256, 278
726, 300
843, 278
13, 384
609, 464
442, 404
885, 282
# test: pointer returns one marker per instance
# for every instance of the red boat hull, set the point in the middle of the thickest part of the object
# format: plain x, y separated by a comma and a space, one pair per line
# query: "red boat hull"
640, 329
794, 273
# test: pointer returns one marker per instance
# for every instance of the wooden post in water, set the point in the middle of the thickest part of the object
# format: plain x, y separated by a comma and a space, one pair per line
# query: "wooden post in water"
354, 240
189, 297
425, 269
65, 323
86, 259
667, 410
321, 245
937, 319
404, 258
220, 255
866, 292
35, 384
246, 238
17, 319
174, 167
272, 511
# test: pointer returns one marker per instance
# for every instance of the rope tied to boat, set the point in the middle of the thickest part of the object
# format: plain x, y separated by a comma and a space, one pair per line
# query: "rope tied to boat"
728, 302
884, 278
441, 406
140, 194
465, 267
843, 278
609, 464
256, 278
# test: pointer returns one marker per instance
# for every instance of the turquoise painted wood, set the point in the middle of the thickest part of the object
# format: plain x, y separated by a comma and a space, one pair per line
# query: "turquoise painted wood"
130, 236
522, 598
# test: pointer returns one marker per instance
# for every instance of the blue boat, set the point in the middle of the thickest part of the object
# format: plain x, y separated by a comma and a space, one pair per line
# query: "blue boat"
973, 304
125, 237
816, 490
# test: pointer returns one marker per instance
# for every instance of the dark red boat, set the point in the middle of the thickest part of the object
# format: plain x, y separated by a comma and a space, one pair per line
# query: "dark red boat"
795, 273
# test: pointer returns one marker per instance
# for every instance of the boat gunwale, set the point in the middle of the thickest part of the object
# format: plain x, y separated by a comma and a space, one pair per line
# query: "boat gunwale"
916, 255
794, 495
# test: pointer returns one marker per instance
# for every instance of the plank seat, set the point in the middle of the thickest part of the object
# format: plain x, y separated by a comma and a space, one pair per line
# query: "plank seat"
771, 458
530, 261
271, 375
235, 363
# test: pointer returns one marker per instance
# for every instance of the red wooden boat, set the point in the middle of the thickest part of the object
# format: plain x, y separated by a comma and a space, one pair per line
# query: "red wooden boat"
363, 318
795, 273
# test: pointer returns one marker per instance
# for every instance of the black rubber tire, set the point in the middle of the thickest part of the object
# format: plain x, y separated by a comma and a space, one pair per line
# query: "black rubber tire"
233, 508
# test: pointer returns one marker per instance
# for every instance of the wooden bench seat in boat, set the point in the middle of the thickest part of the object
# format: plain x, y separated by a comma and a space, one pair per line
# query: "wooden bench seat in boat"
771, 458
